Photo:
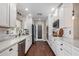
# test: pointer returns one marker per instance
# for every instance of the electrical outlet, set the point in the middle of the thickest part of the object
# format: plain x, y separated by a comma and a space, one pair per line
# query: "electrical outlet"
69, 31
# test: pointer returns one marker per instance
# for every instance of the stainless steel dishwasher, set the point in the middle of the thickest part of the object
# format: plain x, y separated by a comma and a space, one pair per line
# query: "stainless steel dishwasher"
21, 48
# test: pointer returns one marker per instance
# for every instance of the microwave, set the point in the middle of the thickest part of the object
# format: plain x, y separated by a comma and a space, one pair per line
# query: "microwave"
56, 24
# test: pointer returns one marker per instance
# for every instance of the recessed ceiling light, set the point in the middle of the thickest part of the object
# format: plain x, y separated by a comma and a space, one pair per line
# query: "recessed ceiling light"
52, 9
26, 9
30, 14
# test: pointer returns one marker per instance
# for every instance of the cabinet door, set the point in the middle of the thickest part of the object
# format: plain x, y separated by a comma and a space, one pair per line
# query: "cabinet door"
4, 14
12, 15
25, 23
61, 24
67, 47
30, 41
59, 49
68, 8
26, 45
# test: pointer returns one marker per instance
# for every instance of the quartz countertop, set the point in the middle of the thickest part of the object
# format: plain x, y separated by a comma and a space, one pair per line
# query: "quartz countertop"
6, 44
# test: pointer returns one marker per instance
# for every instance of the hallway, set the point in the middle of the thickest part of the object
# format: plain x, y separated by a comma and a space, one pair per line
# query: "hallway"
40, 48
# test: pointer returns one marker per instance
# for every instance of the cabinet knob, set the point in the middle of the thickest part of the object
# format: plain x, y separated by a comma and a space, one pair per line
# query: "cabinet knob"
61, 44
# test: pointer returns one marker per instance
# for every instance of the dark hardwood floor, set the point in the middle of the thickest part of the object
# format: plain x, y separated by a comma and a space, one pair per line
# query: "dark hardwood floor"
40, 48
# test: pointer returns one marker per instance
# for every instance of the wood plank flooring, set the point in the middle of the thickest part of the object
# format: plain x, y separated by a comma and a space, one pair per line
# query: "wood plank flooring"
40, 48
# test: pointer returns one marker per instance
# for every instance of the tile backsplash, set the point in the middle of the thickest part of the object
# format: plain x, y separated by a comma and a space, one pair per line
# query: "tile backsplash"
3, 34
3, 30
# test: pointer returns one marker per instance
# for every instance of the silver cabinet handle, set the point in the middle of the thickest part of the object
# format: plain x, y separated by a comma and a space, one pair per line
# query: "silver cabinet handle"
20, 42
10, 49
61, 49
61, 44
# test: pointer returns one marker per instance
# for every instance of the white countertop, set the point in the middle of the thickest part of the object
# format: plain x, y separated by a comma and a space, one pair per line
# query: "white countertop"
6, 44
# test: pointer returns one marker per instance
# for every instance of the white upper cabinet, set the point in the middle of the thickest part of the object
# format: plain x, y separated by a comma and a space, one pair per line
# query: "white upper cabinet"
12, 15
7, 14
68, 8
4, 14
27, 22
61, 16
65, 15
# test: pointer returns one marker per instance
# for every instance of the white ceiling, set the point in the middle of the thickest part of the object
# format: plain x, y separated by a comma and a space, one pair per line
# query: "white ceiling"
34, 8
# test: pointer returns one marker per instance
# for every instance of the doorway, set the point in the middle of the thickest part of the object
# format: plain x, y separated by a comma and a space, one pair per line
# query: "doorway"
40, 31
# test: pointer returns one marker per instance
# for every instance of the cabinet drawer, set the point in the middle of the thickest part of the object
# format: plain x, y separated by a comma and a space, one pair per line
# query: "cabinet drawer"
66, 53
12, 51
68, 48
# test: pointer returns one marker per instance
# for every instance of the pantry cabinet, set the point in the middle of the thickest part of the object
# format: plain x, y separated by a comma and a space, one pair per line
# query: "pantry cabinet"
7, 14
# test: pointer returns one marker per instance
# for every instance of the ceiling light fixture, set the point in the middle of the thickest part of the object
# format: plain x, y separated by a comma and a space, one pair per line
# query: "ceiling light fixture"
73, 16
26, 9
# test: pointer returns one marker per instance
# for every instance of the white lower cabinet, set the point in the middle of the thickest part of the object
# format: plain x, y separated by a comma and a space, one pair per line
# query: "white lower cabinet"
60, 47
28, 43
65, 53
75, 51
68, 48
12, 51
